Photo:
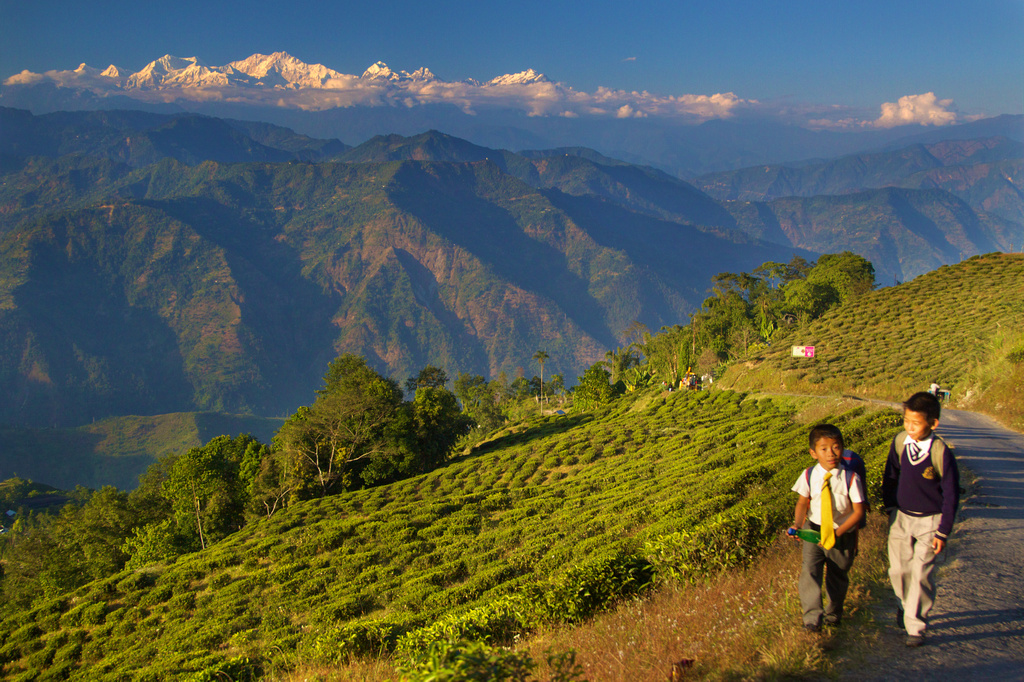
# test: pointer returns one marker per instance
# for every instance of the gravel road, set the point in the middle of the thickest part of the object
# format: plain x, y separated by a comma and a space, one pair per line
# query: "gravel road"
976, 628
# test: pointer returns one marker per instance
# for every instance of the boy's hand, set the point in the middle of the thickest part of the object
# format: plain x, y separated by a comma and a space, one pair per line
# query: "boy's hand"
792, 533
938, 544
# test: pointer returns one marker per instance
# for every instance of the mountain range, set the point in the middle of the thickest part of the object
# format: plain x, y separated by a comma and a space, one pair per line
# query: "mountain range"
686, 136
154, 263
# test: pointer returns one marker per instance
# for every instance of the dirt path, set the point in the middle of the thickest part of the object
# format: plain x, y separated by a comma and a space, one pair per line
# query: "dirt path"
976, 628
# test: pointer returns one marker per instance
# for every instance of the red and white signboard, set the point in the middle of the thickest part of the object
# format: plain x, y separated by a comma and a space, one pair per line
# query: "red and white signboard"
803, 351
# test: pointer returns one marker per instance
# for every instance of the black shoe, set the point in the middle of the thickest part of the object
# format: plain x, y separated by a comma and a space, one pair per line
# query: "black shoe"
812, 627
832, 619
899, 618
914, 640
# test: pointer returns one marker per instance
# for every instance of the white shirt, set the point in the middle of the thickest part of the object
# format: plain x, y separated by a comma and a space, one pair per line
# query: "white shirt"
844, 493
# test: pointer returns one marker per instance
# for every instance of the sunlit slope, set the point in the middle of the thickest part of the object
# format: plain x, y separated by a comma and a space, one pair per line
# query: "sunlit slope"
542, 524
962, 325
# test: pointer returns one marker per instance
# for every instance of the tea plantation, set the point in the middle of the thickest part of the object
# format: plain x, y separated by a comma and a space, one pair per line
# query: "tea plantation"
546, 522
961, 325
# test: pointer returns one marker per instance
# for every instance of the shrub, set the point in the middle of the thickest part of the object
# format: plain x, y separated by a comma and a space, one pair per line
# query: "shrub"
360, 638
497, 622
451, 662
94, 614
238, 669
584, 590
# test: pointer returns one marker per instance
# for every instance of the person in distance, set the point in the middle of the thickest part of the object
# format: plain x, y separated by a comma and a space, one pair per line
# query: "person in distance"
832, 502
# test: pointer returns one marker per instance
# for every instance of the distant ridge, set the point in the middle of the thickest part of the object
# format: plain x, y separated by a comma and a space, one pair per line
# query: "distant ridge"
685, 135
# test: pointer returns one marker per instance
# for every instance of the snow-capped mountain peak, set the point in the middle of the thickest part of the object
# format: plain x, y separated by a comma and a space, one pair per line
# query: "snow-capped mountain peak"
280, 69
521, 78
422, 74
154, 74
380, 72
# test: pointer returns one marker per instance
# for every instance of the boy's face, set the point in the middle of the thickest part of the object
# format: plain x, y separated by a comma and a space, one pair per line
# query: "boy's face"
917, 425
828, 452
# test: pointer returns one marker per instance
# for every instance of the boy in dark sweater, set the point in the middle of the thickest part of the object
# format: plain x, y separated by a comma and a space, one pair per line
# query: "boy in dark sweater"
921, 490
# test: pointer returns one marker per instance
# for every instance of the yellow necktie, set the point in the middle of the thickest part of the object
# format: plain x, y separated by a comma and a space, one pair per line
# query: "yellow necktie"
828, 533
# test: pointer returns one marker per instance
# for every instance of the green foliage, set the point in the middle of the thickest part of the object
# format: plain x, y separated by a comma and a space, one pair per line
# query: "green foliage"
468, 661
237, 669
586, 589
549, 521
369, 637
458, 661
594, 388
357, 416
958, 326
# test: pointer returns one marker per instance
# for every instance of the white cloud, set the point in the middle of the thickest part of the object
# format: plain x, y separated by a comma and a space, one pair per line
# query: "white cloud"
315, 88
923, 109
25, 78
626, 111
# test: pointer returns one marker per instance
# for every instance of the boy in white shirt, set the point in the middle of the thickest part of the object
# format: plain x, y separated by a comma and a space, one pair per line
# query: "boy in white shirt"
841, 514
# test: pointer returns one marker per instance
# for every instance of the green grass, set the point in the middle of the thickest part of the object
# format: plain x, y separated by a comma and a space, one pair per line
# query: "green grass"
505, 538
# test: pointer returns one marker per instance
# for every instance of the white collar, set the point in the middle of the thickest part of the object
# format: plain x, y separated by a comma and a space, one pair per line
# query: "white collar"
923, 447
835, 472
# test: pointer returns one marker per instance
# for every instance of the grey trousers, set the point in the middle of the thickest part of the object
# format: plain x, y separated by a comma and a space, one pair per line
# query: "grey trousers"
834, 563
911, 562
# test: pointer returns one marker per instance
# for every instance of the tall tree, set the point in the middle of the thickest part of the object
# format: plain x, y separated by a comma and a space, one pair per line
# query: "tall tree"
541, 357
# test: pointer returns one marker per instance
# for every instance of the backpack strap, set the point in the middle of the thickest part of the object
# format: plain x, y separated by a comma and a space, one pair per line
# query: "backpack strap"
938, 452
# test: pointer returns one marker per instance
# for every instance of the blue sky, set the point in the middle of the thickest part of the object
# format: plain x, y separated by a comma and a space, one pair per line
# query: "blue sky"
857, 53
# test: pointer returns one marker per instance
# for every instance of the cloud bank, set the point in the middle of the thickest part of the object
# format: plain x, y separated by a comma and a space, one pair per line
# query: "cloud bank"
280, 80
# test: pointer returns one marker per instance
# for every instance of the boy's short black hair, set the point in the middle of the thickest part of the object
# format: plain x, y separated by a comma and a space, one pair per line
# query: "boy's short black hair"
826, 431
925, 403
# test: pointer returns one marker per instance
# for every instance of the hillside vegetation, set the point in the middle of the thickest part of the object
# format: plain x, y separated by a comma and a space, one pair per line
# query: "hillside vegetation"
544, 523
961, 325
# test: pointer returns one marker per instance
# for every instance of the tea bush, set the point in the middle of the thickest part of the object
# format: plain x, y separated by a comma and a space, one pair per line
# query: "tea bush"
486, 547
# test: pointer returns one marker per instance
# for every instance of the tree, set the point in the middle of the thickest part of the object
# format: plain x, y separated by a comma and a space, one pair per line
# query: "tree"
520, 389
481, 400
594, 388
429, 376
209, 488
556, 384
353, 420
55, 553
848, 274
438, 423
541, 357
834, 280
668, 353
619, 361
